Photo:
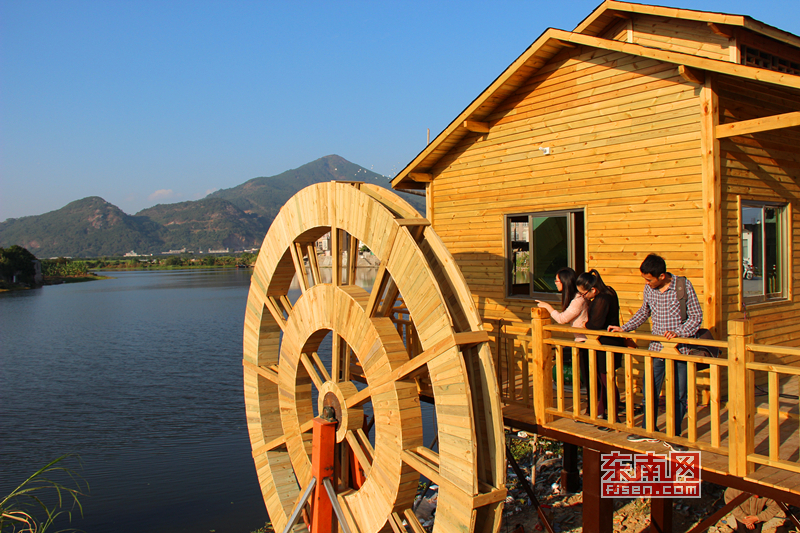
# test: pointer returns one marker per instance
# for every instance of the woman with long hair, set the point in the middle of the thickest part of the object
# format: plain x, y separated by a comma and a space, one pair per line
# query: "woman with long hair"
603, 311
573, 306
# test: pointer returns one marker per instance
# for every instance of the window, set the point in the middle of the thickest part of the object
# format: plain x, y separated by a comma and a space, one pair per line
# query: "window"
756, 58
538, 245
764, 246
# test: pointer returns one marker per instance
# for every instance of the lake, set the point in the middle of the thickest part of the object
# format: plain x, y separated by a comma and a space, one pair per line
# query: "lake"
141, 376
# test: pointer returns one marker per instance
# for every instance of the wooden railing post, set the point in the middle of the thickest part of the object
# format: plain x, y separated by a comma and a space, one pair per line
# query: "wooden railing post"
542, 367
741, 391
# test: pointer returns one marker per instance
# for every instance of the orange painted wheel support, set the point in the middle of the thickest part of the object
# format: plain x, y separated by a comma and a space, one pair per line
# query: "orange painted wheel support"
322, 458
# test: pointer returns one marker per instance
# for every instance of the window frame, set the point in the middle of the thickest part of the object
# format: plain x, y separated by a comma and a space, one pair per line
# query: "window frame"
785, 246
572, 255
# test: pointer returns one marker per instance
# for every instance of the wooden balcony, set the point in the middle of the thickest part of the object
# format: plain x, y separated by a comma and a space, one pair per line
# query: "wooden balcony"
742, 408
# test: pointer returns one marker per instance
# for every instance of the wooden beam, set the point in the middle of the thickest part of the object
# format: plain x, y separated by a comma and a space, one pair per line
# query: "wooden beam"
476, 127
598, 512
678, 58
358, 451
743, 127
413, 222
691, 75
720, 30
270, 373
464, 339
619, 15
712, 206
422, 465
421, 177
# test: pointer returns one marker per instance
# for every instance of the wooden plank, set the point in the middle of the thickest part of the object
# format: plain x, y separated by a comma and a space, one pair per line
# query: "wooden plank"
413, 521
628, 390
476, 126
774, 419
358, 451
744, 127
691, 408
312, 372
559, 378
299, 267
750, 73
422, 466
715, 400
782, 464
272, 306
323, 371
421, 177
270, 373
691, 75
397, 523
650, 395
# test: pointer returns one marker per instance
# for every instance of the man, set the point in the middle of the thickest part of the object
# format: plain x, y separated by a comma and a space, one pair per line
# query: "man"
751, 515
661, 304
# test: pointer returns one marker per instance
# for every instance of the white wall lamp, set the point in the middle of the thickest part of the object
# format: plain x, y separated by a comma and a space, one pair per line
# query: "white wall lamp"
545, 150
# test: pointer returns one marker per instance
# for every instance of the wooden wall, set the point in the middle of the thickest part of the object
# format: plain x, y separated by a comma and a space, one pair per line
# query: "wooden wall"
685, 36
624, 134
760, 167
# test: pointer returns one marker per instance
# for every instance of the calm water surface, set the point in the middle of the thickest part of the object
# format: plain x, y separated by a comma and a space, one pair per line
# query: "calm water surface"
142, 376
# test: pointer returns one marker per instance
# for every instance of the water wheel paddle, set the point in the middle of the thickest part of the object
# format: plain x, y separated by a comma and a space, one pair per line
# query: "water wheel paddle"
415, 334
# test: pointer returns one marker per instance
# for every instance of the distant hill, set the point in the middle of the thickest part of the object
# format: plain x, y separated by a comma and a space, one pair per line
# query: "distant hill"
210, 223
266, 196
235, 218
90, 227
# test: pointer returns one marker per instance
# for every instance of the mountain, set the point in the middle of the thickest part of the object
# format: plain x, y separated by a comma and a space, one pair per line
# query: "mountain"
266, 196
235, 218
210, 223
85, 228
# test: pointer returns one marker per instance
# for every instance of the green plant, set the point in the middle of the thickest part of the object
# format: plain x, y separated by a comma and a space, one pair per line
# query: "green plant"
32, 508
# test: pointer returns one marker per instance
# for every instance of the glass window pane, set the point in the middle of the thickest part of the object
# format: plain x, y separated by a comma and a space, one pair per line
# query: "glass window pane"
519, 256
773, 273
550, 244
752, 255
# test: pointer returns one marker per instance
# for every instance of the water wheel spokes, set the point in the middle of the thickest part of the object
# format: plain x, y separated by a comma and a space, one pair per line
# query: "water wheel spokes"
370, 354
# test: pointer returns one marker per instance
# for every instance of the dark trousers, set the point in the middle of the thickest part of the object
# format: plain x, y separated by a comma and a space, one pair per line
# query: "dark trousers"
679, 390
600, 383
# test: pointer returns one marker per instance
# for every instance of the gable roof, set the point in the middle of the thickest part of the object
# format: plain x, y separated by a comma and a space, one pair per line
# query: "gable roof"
553, 41
607, 13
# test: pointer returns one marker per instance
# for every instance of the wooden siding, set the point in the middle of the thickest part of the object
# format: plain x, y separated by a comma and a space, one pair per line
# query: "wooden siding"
685, 36
760, 167
624, 134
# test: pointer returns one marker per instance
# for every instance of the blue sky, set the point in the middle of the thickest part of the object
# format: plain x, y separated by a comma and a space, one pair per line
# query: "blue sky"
145, 102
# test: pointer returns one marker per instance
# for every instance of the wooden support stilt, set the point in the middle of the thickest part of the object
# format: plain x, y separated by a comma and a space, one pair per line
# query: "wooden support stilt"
598, 512
570, 476
661, 515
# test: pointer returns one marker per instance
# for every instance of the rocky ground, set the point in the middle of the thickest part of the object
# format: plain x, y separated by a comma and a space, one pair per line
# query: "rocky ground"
565, 511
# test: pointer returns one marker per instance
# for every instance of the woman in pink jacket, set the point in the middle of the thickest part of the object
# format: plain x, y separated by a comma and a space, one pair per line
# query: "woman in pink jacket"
574, 308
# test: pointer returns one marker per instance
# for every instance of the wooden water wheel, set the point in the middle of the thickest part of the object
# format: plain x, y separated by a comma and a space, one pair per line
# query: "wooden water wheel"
415, 335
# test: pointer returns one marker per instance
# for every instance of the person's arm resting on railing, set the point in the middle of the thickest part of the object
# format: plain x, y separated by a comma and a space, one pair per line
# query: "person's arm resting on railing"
636, 320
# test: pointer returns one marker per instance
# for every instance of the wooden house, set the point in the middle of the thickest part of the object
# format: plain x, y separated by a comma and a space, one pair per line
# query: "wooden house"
645, 129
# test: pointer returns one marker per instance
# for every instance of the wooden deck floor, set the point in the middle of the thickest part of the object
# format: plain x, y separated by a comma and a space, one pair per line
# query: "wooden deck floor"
788, 482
